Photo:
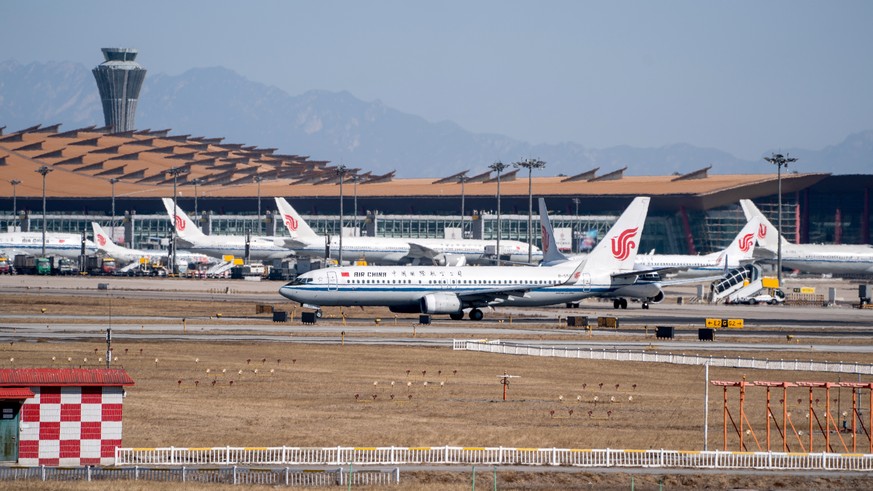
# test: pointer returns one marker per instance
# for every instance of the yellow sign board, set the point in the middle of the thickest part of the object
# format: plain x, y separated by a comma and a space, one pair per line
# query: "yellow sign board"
724, 323
807, 289
770, 282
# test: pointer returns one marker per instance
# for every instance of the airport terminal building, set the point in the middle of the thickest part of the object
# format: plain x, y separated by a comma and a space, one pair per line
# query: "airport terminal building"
92, 172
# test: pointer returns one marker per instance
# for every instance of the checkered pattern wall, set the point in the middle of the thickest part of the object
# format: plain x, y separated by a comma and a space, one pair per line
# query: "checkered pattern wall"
70, 426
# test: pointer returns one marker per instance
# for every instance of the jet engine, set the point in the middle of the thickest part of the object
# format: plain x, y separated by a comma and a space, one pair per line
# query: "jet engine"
657, 298
453, 260
440, 303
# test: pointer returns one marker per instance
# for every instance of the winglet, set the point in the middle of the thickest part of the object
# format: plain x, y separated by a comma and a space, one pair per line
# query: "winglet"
295, 224
551, 254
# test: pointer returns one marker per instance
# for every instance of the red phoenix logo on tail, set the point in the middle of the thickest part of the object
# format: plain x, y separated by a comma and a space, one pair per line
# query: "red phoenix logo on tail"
762, 231
101, 240
545, 239
746, 242
623, 244
180, 223
290, 222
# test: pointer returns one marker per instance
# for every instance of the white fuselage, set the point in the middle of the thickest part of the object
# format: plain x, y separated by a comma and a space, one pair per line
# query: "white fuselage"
828, 259
260, 248
400, 286
687, 266
66, 245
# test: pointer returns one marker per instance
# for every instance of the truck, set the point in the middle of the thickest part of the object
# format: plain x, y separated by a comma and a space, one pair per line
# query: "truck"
27, 264
5, 265
771, 296
66, 267
100, 265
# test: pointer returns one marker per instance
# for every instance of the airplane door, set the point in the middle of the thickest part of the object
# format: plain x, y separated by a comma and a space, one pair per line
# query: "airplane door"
586, 282
331, 281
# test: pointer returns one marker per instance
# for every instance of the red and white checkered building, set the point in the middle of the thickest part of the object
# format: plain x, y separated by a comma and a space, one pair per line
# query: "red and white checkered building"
72, 416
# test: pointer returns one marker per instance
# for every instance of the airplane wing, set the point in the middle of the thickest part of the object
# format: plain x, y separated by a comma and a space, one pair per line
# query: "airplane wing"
493, 296
418, 251
292, 243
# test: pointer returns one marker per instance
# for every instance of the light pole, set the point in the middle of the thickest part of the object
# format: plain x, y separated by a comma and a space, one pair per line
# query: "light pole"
498, 167
258, 180
43, 170
530, 165
175, 172
462, 179
355, 180
779, 161
112, 223
14, 182
577, 235
195, 182
341, 171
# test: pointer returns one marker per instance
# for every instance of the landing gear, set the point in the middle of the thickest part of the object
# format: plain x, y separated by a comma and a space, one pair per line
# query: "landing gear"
456, 316
319, 313
619, 303
476, 315
645, 305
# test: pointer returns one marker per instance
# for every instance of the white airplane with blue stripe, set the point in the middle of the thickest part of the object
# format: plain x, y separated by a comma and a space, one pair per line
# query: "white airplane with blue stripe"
56, 244
607, 271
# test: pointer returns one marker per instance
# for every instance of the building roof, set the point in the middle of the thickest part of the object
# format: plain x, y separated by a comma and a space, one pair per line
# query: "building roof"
15, 393
86, 161
63, 377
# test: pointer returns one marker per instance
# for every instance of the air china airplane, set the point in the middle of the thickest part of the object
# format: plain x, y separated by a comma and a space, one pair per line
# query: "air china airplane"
65, 245
810, 258
382, 250
260, 248
439, 290
738, 253
126, 255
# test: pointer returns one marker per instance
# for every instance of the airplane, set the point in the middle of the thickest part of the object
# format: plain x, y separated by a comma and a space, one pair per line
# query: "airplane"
260, 248
127, 255
56, 244
608, 270
810, 258
389, 250
737, 254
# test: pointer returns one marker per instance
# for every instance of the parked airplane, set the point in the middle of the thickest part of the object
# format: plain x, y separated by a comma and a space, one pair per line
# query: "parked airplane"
56, 244
260, 247
738, 253
126, 255
810, 258
389, 250
435, 290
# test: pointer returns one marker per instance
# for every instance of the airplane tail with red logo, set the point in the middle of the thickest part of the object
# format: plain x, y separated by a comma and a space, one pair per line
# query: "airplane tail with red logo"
103, 241
295, 224
186, 229
768, 235
742, 247
618, 249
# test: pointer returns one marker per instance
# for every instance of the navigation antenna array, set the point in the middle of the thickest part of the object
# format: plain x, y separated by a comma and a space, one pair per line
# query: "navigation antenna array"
504, 380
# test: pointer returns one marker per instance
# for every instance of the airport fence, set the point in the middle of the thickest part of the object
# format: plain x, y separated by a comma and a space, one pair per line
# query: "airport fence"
223, 475
344, 456
677, 359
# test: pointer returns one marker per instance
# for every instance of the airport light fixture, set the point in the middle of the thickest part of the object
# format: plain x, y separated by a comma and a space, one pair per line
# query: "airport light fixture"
578, 234
44, 170
258, 180
341, 171
14, 182
175, 172
779, 161
462, 179
530, 165
195, 182
112, 223
355, 181
498, 167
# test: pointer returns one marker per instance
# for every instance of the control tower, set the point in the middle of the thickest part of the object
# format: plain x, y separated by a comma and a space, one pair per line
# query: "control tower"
119, 79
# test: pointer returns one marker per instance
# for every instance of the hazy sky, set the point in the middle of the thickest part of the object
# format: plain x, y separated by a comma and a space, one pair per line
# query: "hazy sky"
741, 76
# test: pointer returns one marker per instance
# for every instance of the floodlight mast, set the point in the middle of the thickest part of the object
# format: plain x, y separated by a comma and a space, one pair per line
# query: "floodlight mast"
530, 165
341, 171
175, 172
462, 179
44, 170
498, 167
779, 161
15, 182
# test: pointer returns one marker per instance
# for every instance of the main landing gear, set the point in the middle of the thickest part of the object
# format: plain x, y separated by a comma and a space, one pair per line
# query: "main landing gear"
475, 315
619, 303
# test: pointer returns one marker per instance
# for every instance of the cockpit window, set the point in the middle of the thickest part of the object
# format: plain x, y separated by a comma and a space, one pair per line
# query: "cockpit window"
300, 280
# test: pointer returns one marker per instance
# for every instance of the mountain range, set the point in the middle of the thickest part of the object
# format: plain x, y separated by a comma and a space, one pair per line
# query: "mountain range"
337, 126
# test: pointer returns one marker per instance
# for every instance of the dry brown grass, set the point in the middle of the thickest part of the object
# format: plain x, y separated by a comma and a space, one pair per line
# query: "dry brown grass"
304, 395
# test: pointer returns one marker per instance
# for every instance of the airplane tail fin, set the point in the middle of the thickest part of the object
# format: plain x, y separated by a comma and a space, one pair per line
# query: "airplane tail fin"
743, 246
551, 254
767, 234
294, 223
185, 228
103, 241
618, 249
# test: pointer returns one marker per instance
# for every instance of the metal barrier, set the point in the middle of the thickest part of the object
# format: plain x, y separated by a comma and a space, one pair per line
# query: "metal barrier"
225, 475
676, 359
